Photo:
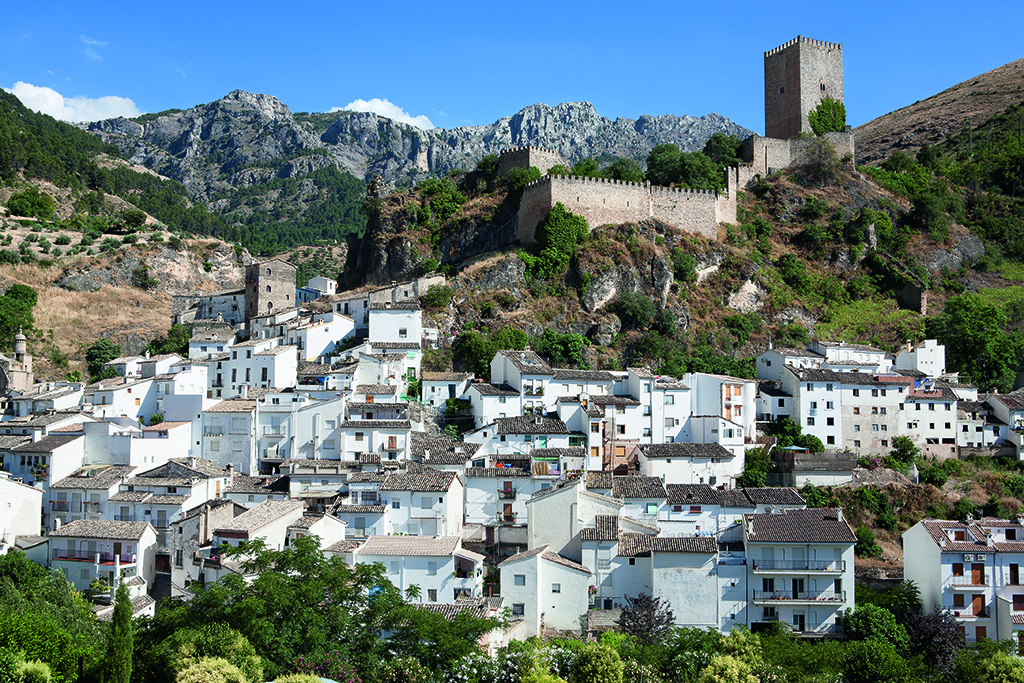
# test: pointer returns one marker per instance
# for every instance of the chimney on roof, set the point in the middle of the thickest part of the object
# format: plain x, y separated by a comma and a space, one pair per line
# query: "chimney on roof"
231, 472
839, 514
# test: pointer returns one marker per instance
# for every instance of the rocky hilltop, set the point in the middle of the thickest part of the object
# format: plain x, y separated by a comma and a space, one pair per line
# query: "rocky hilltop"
246, 139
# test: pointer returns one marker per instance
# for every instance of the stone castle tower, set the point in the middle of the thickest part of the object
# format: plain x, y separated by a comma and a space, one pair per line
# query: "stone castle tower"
269, 287
797, 75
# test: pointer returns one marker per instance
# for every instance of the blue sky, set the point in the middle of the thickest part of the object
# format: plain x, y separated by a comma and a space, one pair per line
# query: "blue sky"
470, 63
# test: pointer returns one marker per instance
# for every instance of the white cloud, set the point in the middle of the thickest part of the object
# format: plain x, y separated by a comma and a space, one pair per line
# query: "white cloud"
388, 110
74, 109
88, 51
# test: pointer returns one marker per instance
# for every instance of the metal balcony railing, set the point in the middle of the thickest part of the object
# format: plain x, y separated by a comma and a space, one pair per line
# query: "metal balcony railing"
60, 506
213, 431
800, 565
507, 494
827, 596
968, 581
124, 518
90, 556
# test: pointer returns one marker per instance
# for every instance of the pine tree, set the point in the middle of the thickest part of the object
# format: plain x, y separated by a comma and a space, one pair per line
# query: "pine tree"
120, 644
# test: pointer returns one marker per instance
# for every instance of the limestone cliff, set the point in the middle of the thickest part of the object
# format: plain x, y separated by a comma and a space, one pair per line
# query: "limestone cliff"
245, 138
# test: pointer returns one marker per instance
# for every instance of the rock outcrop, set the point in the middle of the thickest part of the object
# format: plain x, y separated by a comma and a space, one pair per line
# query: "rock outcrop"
172, 272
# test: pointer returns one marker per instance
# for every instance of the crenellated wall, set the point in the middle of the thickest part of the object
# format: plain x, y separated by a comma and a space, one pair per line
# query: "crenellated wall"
527, 156
602, 201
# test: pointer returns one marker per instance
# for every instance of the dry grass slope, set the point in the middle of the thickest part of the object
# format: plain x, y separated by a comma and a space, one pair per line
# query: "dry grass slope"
929, 121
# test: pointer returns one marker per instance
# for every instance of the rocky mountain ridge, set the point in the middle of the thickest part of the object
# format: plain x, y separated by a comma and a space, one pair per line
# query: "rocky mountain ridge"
245, 139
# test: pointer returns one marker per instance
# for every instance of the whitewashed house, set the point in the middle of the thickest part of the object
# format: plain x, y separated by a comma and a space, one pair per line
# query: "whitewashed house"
107, 550
545, 590
440, 568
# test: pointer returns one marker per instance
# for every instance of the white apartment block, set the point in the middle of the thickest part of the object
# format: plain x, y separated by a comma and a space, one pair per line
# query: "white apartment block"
438, 387
972, 569
799, 569
424, 501
928, 357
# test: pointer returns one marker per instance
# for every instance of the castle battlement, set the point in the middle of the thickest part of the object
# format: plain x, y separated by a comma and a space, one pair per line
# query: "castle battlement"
603, 201
807, 41
588, 180
527, 148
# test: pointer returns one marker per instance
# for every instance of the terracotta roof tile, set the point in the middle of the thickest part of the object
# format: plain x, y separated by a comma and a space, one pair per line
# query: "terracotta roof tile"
818, 525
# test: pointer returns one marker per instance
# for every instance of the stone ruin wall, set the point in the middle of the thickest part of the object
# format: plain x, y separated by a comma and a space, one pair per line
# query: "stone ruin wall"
525, 157
767, 155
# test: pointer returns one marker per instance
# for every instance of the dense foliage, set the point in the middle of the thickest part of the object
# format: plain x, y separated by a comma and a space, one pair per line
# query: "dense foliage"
558, 237
828, 117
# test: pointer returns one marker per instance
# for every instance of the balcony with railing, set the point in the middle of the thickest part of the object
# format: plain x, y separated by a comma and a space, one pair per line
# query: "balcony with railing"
505, 519
102, 557
798, 596
213, 431
801, 566
125, 518
968, 581
392, 444
63, 506
507, 494
272, 430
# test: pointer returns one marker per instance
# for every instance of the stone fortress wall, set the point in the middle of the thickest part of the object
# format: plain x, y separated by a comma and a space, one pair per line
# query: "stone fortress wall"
602, 201
767, 155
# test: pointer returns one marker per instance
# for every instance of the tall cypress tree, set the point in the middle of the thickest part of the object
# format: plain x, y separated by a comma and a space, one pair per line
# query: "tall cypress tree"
120, 644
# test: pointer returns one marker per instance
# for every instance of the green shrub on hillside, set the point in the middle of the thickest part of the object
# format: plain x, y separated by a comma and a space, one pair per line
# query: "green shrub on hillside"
437, 297
31, 202
559, 237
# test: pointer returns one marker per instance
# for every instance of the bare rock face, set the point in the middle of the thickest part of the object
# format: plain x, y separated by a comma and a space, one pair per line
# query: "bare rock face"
966, 251
750, 297
176, 272
208, 147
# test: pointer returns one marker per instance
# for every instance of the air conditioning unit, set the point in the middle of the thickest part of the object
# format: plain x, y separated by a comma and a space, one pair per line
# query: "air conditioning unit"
968, 558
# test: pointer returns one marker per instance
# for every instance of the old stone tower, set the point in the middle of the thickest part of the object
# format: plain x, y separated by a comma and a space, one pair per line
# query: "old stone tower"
269, 287
797, 76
